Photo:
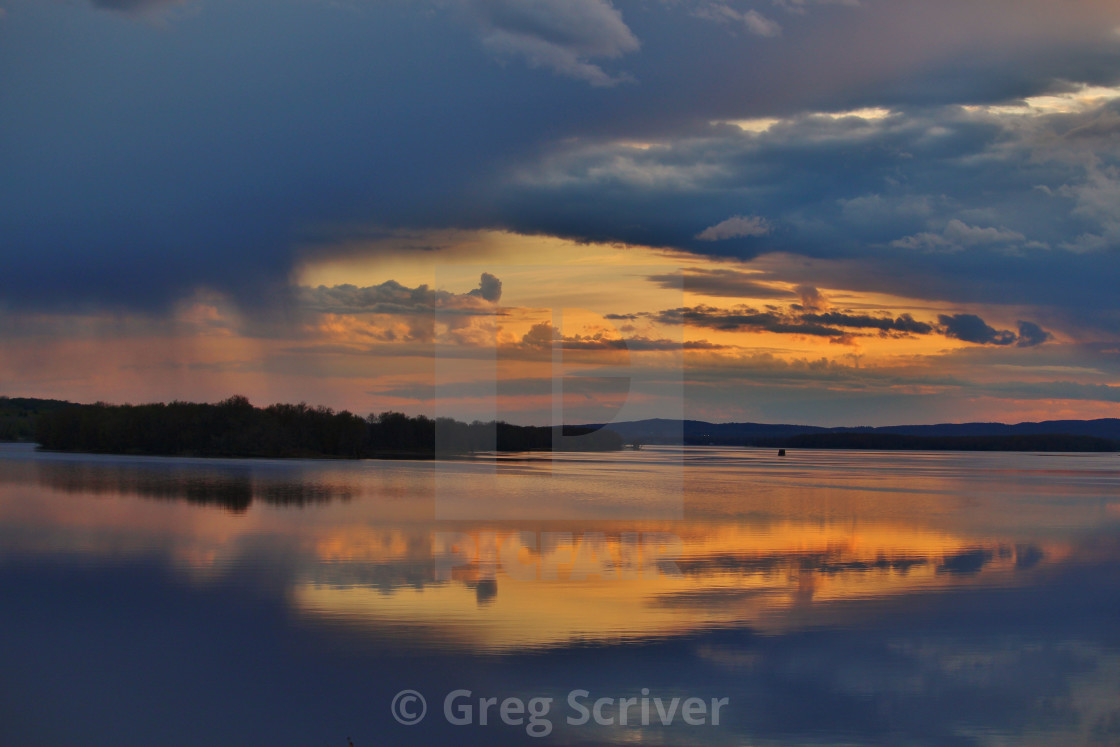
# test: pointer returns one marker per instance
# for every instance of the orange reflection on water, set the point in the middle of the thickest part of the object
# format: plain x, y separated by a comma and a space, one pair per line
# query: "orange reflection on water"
771, 544
497, 589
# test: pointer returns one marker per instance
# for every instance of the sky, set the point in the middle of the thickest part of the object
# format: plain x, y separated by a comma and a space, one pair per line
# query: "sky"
832, 212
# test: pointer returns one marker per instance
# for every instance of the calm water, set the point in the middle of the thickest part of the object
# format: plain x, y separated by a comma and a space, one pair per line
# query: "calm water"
827, 597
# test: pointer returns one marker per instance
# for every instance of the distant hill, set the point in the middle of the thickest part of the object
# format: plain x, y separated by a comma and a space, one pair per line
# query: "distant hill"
660, 431
1102, 428
699, 432
903, 442
18, 416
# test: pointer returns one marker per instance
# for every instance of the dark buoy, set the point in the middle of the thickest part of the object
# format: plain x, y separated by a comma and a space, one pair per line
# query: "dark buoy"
781, 452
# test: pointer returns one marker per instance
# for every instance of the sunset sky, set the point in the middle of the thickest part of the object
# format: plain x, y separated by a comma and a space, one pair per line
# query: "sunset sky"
832, 212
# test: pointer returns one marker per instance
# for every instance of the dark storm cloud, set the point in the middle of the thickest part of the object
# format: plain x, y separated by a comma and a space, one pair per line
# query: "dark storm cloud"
943, 204
489, 288
903, 323
134, 173
913, 176
744, 319
971, 328
144, 163
837, 324
1030, 334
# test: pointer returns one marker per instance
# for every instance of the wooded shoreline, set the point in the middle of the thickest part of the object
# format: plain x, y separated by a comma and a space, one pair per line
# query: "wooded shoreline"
235, 428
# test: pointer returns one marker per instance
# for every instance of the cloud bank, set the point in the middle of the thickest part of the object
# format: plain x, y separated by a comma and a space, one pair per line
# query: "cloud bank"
926, 144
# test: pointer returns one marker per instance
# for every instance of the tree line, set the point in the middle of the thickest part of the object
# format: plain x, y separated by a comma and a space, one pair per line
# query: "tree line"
235, 428
19, 414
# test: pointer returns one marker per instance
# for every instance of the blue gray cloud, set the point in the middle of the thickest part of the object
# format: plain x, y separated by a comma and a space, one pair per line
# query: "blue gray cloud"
843, 326
134, 6
563, 35
392, 297
1030, 334
971, 328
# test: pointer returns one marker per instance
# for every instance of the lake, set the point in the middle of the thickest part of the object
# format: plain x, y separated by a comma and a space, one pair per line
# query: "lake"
668, 595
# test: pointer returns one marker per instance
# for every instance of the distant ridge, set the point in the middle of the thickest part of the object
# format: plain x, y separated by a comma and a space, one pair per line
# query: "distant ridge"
662, 431
18, 418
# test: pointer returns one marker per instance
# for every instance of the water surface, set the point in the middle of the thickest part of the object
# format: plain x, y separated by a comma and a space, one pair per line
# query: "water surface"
830, 597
